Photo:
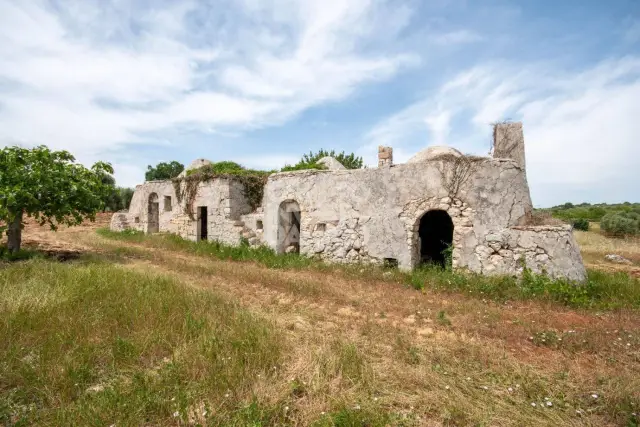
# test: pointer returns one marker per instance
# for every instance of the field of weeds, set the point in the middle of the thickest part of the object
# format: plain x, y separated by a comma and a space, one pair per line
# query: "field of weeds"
152, 330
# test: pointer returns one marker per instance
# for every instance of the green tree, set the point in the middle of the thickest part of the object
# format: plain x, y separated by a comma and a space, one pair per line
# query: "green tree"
126, 194
112, 198
117, 198
310, 161
621, 224
48, 186
163, 171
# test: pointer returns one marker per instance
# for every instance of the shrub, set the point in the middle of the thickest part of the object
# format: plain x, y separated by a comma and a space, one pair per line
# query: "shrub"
621, 224
581, 224
310, 161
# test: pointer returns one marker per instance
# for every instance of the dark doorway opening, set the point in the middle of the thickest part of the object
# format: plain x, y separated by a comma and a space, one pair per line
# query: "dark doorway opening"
435, 237
203, 232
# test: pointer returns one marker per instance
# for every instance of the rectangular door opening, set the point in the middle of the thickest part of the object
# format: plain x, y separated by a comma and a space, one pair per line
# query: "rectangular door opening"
203, 221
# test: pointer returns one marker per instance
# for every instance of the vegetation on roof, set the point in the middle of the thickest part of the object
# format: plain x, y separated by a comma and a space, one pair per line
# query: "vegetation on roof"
253, 180
310, 161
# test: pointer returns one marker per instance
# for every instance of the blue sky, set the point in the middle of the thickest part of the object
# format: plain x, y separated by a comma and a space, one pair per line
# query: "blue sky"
262, 82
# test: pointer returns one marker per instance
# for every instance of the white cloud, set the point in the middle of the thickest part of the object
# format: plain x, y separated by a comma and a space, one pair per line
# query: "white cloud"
93, 76
580, 130
463, 36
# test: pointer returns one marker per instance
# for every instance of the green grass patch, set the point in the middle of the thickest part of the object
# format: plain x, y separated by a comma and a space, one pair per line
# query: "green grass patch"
601, 291
20, 255
94, 344
261, 255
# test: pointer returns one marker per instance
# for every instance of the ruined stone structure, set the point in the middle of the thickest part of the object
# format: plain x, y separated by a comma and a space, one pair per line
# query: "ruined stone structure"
440, 202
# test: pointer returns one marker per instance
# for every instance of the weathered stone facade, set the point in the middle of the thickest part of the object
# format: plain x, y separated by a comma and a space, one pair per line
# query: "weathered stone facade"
404, 214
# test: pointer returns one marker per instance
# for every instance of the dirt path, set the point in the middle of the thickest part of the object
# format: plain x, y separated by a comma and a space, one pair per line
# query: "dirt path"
403, 336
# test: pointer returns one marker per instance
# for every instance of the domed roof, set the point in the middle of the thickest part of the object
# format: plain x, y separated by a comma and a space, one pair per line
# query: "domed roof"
330, 163
196, 164
434, 152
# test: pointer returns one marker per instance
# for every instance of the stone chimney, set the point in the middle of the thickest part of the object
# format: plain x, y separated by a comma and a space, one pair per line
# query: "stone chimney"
385, 156
508, 142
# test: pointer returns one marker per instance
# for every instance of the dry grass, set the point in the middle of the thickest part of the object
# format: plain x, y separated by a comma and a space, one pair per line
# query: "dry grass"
594, 246
542, 218
375, 352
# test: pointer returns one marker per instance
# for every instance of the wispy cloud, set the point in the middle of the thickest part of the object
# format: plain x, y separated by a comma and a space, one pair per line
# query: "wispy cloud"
122, 80
455, 37
580, 130
96, 75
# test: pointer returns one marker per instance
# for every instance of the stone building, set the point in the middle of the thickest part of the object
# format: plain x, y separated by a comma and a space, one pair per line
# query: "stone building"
477, 209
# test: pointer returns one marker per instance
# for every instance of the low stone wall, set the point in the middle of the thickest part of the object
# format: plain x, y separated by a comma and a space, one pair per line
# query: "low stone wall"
120, 221
544, 249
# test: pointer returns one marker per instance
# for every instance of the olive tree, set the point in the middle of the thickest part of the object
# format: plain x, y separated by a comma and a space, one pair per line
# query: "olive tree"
163, 170
48, 186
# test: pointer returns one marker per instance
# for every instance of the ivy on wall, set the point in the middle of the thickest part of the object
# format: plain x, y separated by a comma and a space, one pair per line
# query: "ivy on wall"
253, 181
186, 186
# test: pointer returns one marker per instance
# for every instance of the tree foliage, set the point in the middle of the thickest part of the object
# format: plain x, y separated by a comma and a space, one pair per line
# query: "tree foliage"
50, 187
119, 198
310, 161
570, 212
163, 171
581, 224
621, 224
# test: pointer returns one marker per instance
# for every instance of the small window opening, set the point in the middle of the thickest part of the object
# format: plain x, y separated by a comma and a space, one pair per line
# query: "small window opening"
390, 263
137, 220
167, 203
321, 226
259, 225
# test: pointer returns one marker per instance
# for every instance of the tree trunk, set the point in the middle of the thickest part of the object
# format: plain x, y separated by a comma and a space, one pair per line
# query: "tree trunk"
14, 233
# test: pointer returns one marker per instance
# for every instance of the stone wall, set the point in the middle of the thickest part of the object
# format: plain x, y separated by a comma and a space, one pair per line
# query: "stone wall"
223, 198
372, 214
544, 249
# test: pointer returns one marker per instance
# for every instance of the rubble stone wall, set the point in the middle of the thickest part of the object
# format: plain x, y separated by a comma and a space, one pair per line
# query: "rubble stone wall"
370, 215
223, 198
543, 249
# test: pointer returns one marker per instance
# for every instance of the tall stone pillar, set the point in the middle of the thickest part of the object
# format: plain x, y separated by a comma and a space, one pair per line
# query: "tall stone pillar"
508, 142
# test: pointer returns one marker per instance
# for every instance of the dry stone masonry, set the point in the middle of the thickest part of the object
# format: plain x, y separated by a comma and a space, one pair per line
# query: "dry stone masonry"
439, 204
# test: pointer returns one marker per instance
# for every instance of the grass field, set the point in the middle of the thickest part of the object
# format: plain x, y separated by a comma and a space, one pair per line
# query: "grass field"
594, 246
152, 330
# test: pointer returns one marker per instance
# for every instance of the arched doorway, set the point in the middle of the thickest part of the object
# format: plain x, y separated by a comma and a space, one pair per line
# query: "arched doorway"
153, 218
289, 227
435, 236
